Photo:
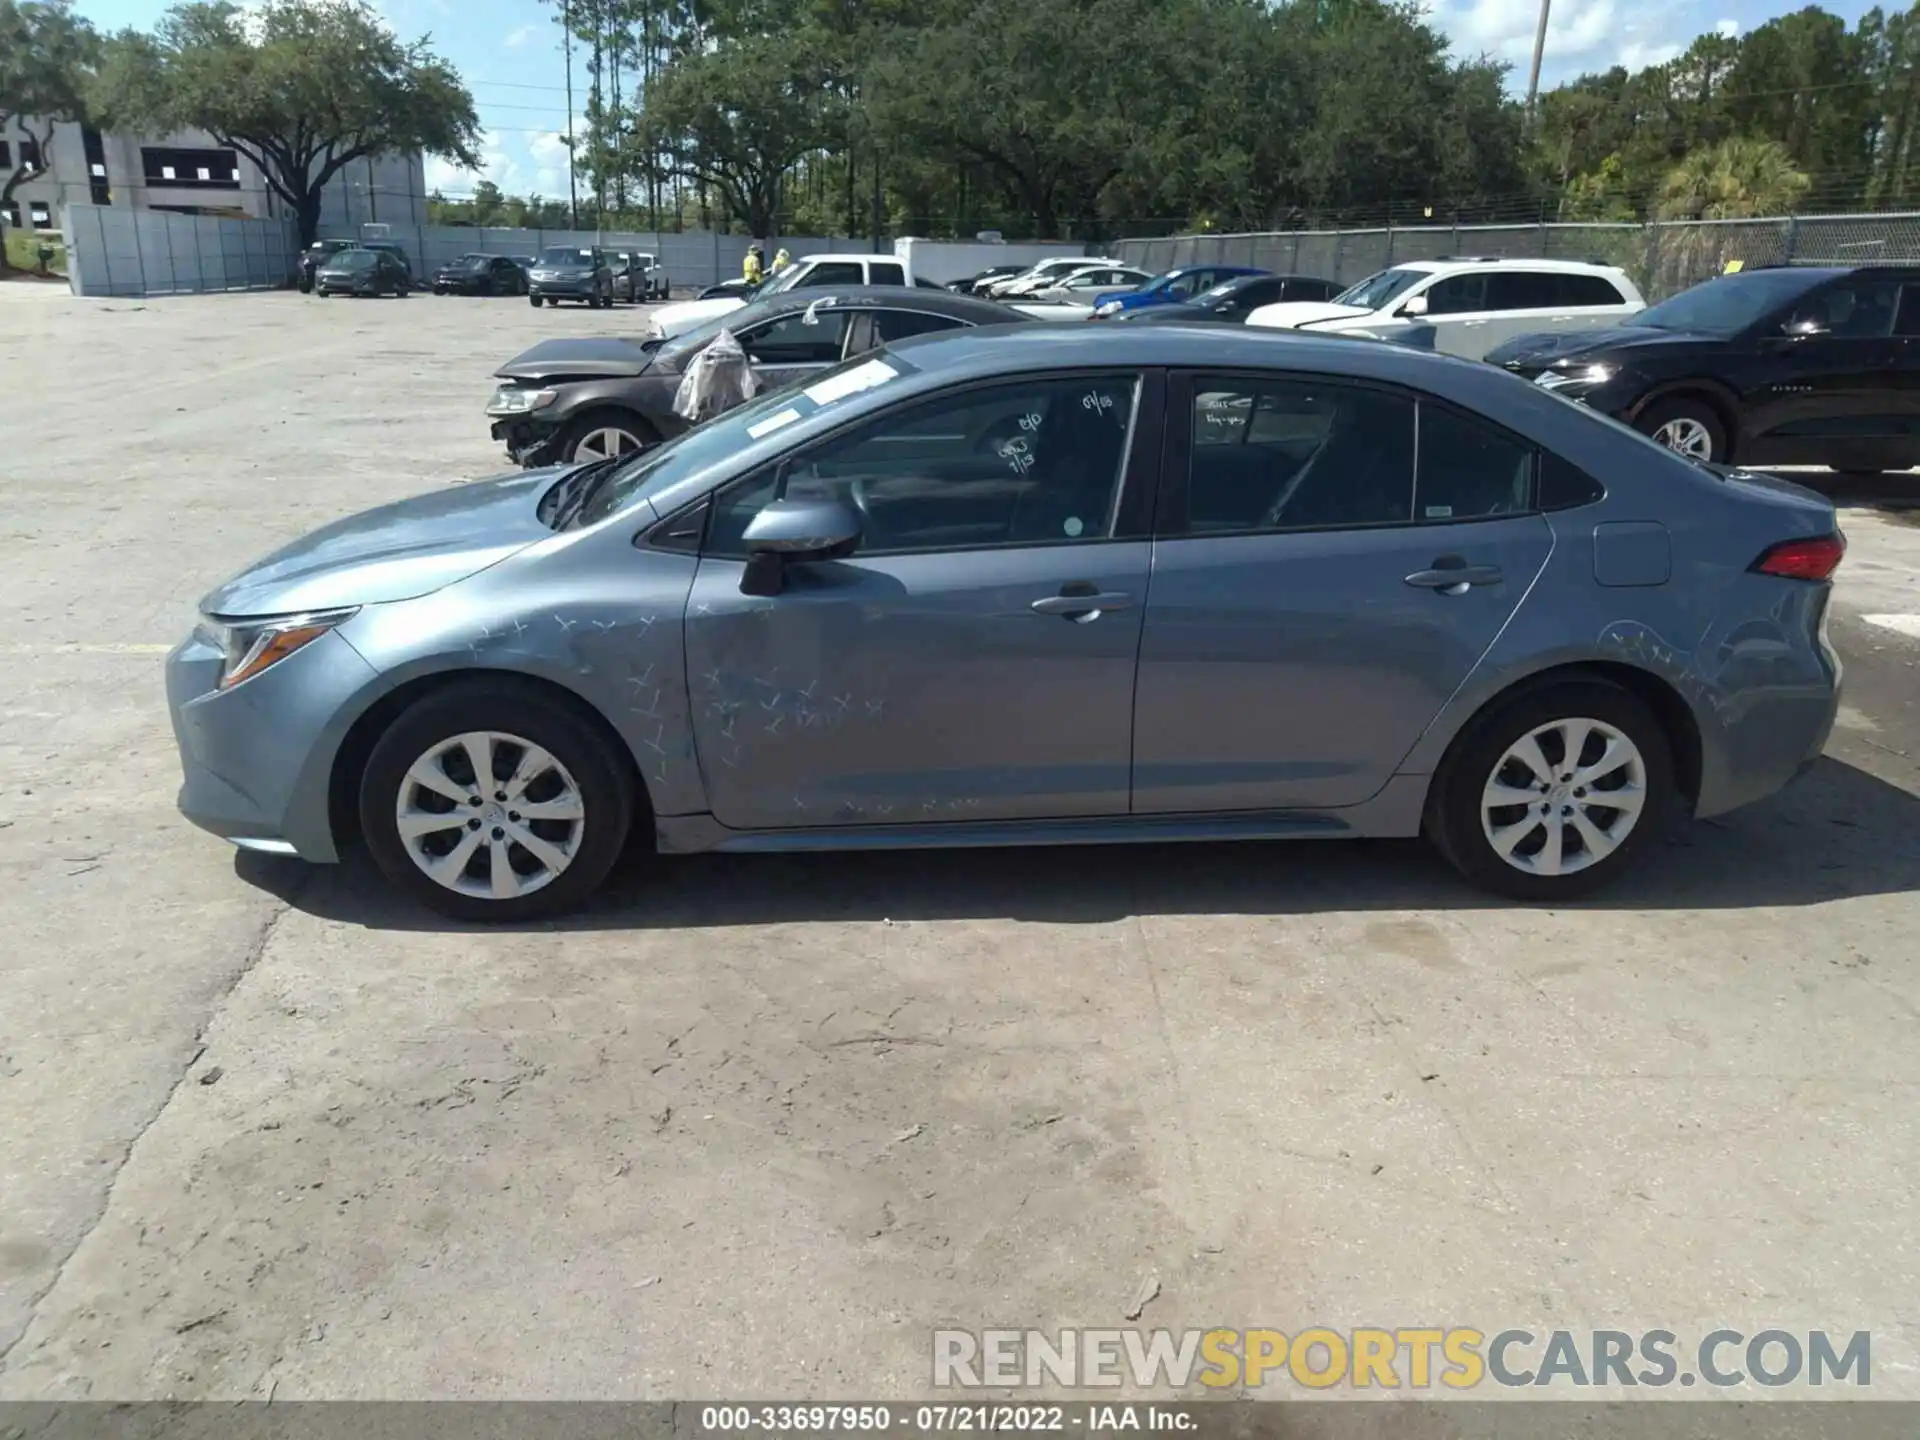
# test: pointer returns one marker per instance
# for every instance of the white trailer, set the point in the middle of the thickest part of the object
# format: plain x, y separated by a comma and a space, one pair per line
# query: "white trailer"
944, 261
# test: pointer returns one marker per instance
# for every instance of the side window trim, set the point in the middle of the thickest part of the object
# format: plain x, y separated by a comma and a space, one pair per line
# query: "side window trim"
1140, 468
1170, 517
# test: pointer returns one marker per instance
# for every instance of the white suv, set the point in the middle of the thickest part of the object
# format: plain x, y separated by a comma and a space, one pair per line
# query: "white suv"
1470, 305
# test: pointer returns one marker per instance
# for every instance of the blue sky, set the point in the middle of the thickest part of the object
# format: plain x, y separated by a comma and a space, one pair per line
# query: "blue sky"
509, 53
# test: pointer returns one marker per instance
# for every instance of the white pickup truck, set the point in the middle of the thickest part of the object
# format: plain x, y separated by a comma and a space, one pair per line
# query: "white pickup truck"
810, 271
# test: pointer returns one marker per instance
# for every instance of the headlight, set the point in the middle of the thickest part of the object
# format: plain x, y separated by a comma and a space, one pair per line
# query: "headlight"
1587, 375
512, 400
1108, 307
251, 646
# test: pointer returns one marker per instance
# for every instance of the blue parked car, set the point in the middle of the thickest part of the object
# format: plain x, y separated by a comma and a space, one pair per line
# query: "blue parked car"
1172, 288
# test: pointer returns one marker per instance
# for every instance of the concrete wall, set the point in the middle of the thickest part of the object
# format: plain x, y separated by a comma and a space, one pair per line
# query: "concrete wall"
111, 251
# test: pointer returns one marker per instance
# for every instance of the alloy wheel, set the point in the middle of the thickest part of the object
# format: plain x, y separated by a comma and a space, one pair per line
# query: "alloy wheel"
1564, 797
490, 815
604, 443
1686, 435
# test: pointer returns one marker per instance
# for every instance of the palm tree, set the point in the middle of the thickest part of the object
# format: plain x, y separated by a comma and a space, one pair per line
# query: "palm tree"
1735, 180
1738, 179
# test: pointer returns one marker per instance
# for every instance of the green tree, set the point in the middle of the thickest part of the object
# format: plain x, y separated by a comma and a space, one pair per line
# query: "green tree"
1735, 180
47, 55
1802, 80
302, 88
489, 205
738, 117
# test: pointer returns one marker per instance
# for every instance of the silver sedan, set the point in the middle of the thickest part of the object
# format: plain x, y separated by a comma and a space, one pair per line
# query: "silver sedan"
1033, 585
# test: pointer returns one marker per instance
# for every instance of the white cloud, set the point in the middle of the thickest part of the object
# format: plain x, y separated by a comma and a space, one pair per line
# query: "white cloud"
519, 164
519, 37
1505, 28
1639, 54
1728, 28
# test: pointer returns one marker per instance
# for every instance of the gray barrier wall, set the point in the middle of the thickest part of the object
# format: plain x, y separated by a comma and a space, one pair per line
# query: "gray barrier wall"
113, 251
693, 258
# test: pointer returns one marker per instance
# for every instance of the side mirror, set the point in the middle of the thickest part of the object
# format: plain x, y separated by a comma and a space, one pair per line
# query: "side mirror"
793, 531
1415, 305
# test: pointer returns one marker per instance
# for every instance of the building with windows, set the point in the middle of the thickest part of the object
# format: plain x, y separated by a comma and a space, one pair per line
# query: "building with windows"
191, 173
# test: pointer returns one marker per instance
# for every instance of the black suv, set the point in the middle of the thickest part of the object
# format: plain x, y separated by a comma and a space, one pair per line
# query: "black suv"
1787, 365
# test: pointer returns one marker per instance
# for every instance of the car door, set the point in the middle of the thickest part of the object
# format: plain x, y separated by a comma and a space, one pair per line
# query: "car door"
1456, 308
1833, 393
506, 275
973, 659
1331, 560
796, 345
1524, 302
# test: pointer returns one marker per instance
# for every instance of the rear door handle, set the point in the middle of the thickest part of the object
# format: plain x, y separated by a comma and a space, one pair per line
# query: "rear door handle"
1081, 601
1451, 575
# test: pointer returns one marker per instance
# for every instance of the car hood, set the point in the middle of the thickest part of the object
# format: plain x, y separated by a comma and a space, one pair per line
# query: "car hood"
1291, 314
1542, 349
332, 269
454, 272
671, 320
395, 552
606, 358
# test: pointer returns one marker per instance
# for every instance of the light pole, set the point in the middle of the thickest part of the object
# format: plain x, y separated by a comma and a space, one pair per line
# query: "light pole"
1539, 49
573, 193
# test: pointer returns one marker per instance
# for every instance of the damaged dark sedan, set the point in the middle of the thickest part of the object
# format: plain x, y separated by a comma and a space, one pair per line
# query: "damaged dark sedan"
575, 400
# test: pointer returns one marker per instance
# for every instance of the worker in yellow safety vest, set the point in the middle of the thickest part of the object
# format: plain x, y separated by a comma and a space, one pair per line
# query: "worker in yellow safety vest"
781, 259
754, 270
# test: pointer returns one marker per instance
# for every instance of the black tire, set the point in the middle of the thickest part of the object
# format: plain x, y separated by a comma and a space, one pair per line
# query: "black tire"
1685, 408
513, 707
534, 301
1454, 815
582, 426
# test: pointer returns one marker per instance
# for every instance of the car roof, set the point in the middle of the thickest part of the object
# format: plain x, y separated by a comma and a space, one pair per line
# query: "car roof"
895, 297
835, 255
1470, 262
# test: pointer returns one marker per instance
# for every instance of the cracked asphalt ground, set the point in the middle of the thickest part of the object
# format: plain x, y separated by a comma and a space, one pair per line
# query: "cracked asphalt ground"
754, 1126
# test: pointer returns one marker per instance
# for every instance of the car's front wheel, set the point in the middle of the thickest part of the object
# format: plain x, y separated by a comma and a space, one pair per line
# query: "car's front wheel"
492, 800
1688, 426
1552, 794
601, 436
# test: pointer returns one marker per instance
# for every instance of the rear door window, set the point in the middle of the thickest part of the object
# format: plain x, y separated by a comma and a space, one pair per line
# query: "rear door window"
899, 324
832, 272
886, 272
1525, 290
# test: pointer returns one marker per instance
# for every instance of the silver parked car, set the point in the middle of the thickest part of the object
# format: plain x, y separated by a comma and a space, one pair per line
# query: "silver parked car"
1038, 584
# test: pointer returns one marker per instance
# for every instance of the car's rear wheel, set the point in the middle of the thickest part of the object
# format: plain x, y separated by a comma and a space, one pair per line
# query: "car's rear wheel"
1552, 794
601, 436
492, 801
1687, 426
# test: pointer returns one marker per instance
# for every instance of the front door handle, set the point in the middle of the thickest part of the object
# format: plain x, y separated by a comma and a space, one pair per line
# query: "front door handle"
1081, 601
1452, 575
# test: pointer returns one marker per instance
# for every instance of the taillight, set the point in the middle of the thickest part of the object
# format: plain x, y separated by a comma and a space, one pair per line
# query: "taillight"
1813, 559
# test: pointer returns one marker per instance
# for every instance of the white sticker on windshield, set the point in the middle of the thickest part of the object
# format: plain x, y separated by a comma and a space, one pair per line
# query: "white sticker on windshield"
851, 382
772, 423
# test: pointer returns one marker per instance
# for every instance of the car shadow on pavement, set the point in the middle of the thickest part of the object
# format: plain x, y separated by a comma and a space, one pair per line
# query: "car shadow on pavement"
1838, 832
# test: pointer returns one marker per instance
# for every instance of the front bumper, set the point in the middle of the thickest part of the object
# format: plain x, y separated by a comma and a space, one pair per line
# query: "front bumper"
529, 443
324, 286
257, 760
582, 289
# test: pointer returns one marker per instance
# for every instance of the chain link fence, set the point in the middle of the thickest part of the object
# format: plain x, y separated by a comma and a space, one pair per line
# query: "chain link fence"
1662, 256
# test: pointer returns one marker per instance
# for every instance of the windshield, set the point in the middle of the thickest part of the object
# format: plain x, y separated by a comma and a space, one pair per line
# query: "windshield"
354, 260
565, 255
1728, 304
713, 441
1223, 289
475, 262
1377, 290
785, 280
687, 341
